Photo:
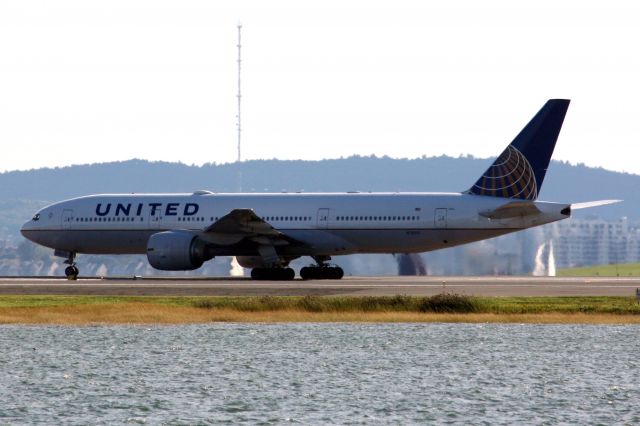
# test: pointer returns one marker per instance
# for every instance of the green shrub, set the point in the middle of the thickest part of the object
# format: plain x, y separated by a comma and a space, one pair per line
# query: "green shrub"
446, 302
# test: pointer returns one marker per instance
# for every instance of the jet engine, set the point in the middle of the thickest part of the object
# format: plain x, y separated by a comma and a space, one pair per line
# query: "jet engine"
176, 251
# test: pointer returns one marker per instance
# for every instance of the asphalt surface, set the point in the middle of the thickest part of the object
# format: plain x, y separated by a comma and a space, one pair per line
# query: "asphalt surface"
353, 286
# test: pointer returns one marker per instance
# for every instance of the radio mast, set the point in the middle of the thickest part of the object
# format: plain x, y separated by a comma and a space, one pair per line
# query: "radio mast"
239, 95
239, 92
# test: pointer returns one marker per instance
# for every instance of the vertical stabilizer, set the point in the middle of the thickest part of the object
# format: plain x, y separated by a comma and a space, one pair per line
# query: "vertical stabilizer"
519, 171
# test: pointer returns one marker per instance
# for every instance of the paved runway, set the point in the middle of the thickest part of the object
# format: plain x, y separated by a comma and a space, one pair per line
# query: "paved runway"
353, 286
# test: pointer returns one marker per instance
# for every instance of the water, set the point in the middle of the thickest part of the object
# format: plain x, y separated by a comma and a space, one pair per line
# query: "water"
320, 374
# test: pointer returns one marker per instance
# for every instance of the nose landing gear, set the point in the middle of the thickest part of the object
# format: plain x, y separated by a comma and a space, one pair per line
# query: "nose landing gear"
72, 270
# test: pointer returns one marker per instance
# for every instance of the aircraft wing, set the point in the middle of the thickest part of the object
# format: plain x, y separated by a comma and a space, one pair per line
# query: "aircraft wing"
242, 224
512, 209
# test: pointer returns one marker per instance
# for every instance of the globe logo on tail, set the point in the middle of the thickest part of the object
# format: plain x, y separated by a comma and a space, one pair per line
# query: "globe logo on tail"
510, 176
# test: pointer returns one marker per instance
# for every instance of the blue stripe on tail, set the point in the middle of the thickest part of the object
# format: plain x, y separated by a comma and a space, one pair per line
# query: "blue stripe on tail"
519, 171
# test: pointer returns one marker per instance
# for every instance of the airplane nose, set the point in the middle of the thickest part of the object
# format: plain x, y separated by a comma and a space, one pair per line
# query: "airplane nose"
26, 230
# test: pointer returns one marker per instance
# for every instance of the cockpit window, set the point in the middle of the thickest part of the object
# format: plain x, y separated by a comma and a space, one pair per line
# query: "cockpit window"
36, 217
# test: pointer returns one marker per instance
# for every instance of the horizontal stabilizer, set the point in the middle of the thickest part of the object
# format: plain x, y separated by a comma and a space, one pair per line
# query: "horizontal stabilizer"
513, 209
589, 204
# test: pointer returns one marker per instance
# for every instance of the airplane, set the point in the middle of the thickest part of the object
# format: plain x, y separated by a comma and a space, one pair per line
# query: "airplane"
265, 232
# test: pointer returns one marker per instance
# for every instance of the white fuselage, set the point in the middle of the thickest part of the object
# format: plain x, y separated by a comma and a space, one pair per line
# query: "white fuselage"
326, 224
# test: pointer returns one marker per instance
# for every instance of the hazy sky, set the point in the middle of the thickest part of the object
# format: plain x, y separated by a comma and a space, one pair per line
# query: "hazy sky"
91, 81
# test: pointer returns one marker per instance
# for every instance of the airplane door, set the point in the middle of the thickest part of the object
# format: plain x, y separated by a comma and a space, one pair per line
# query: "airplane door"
323, 218
67, 218
440, 218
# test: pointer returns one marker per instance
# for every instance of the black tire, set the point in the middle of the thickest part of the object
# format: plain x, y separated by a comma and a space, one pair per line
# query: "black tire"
307, 273
256, 274
288, 274
273, 274
71, 272
338, 273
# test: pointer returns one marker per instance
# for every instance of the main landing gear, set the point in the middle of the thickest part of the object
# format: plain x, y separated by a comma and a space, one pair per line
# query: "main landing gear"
273, 274
72, 270
321, 271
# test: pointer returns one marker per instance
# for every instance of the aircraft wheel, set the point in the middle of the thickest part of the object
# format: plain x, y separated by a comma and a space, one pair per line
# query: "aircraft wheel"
288, 274
337, 273
321, 273
273, 274
308, 273
71, 272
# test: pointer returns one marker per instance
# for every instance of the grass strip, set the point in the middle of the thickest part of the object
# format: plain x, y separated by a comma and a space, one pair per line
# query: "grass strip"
440, 303
439, 308
615, 270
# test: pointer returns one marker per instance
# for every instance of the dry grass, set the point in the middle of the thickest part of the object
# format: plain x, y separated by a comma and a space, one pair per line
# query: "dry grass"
153, 313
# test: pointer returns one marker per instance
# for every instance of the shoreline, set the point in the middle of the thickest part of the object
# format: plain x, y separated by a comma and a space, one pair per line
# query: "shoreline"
444, 308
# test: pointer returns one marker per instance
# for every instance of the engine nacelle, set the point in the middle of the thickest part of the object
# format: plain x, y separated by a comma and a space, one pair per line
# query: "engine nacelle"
176, 251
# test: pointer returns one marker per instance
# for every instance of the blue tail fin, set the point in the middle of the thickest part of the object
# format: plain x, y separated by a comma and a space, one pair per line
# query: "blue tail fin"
519, 171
